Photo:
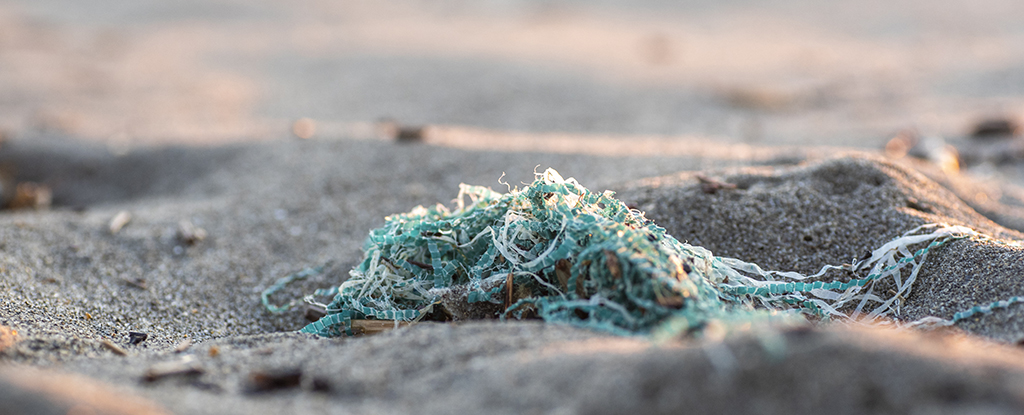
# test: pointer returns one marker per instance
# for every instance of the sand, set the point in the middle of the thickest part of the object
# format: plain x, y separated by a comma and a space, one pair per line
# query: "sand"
179, 116
836, 210
273, 208
326, 196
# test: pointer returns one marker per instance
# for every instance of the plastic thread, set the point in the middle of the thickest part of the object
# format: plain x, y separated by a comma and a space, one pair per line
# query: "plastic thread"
625, 275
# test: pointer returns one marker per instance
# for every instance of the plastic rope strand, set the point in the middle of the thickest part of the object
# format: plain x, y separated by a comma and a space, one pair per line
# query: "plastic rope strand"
558, 251
284, 282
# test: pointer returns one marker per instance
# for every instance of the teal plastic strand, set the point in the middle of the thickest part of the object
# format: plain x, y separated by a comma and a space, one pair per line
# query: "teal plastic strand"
283, 282
986, 309
584, 258
625, 273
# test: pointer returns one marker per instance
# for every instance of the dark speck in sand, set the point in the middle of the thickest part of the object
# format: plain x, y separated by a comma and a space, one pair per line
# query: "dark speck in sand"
265, 381
135, 338
997, 127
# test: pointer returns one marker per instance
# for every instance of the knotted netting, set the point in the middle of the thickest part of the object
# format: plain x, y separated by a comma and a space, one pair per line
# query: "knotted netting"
560, 252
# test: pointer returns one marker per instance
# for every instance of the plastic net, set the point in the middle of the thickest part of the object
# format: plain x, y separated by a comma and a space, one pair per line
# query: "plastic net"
560, 252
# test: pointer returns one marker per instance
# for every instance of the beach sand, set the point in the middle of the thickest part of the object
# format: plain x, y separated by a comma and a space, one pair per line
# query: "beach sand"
166, 132
273, 208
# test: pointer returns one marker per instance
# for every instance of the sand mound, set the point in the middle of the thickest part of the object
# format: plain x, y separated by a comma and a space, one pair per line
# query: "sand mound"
832, 212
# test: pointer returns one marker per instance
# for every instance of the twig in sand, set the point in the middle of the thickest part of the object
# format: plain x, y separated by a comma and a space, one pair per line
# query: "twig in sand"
118, 350
508, 290
187, 365
376, 326
139, 283
710, 186
265, 381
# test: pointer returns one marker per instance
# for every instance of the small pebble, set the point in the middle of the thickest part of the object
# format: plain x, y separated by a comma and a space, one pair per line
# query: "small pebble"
900, 145
401, 133
29, 195
183, 346
135, 337
314, 313
321, 385
409, 134
119, 221
995, 128
8, 337
190, 234
304, 128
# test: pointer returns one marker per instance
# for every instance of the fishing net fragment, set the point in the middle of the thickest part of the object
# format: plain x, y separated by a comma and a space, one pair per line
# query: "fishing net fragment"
558, 251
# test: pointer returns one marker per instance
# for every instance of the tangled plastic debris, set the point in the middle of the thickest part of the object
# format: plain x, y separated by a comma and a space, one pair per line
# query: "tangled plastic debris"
560, 252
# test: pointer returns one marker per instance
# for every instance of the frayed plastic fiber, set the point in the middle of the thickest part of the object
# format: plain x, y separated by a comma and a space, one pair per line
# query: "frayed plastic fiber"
560, 252
554, 250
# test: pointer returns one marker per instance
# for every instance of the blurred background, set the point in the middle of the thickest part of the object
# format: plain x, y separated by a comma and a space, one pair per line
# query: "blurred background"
783, 72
